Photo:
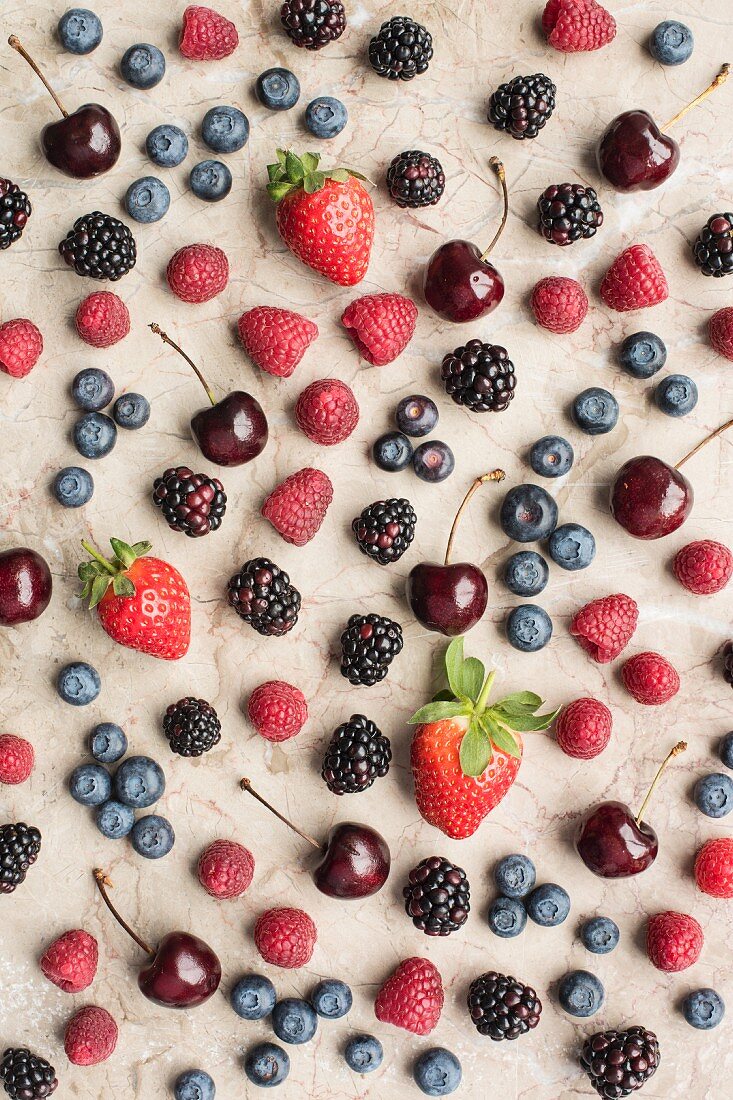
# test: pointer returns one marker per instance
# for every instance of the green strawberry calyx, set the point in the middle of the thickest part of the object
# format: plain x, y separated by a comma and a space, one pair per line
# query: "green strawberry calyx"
96, 576
292, 172
489, 727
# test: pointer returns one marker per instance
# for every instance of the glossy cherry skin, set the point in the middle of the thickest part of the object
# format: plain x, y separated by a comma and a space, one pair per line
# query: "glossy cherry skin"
449, 599
612, 845
649, 498
25, 586
355, 864
459, 285
231, 432
183, 973
634, 155
84, 144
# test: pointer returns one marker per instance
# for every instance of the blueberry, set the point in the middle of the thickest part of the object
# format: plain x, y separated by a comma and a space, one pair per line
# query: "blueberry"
326, 117
548, 905
416, 415
225, 129
294, 1021
551, 456
80, 30
526, 573
115, 820
152, 836
94, 435
714, 795
507, 917
571, 546
515, 876
142, 65
703, 1009
433, 461
267, 1065
277, 89
725, 750
676, 395
581, 993
528, 513
528, 628
139, 782
194, 1084
642, 354
90, 784
253, 997
147, 199
595, 411
437, 1072
107, 743
210, 180
73, 487
92, 389
131, 411
78, 684
331, 999
599, 935
392, 452
166, 145
671, 43
363, 1053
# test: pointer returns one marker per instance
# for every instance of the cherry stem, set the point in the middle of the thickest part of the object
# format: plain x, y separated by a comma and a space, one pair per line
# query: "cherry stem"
678, 748
167, 340
247, 786
15, 42
103, 884
498, 168
495, 475
98, 557
704, 442
719, 79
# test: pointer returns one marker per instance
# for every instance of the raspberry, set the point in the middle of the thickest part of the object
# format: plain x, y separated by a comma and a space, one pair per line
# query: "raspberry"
673, 941
583, 728
198, 272
225, 869
650, 678
70, 962
206, 35
102, 319
16, 759
634, 280
278, 711
275, 339
574, 26
703, 567
297, 507
21, 345
559, 304
381, 326
327, 411
412, 997
285, 937
720, 329
714, 867
90, 1036
604, 627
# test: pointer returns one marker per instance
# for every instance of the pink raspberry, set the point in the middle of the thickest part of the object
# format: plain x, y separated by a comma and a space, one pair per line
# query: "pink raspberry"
381, 326
16, 759
714, 867
604, 627
634, 280
198, 272
703, 567
102, 319
276, 339
559, 304
650, 678
90, 1036
720, 329
225, 869
412, 997
673, 941
285, 937
297, 507
206, 35
583, 728
574, 26
21, 345
70, 962
277, 710
327, 411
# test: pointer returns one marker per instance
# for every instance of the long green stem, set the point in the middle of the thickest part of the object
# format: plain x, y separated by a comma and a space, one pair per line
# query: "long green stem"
485, 693
99, 557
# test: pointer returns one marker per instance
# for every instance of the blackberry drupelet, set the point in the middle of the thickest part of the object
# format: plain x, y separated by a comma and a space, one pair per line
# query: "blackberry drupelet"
401, 50
192, 726
15, 210
262, 595
713, 249
437, 896
480, 376
25, 1076
569, 212
192, 503
523, 105
728, 663
19, 848
99, 246
313, 23
620, 1062
415, 179
368, 646
357, 754
501, 1007
385, 529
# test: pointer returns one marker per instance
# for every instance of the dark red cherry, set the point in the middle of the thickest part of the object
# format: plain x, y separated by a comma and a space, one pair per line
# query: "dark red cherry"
25, 585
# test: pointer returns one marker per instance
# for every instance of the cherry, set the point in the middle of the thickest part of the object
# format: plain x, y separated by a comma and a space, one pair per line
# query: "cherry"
25, 586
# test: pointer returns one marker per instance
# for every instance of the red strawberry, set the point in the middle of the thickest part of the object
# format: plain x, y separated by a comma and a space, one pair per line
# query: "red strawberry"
275, 339
634, 280
325, 218
381, 326
142, 602
412, 997
573, 26
604, 627
297, 507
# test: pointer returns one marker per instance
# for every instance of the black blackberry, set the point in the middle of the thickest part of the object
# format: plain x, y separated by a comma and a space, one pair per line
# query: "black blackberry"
713, 249
368, 646
437, 896
357, 754
313, 23
569, 212
192, 726
480, 376
99, 246
385, 529
620, 1062
192, 503
728, 663
15, 210
415, 179
501, 1007
523, 106
26, 1077
19, 848
401, 50
262, 595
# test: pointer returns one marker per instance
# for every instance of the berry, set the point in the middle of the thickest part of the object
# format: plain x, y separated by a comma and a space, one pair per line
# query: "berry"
433, 461
703, 1009
548, 905
620, 1062
676, 395
90, 1036
381, 326
415, 179
198, 272
277, 710
327, 411
92, 389
581, 994
357, 754
642, 354
599, 935
166, 145
559, 304
671, 43
21, 345
94, 435
526, 573
385, 529
368, 646
26, 1076
574, 26
363, 1053
70, 962
416, 415
437, 896
131, 411
713, 867
285, 937
480, 376
725, 750
90, 784
294, 1021
714, 795
583, 728
650, 679
194, 1084
275, 339
225, 129
142, 66
16, 759
152, 836
437, 1072
19, 848
595, 411
312, 24
210, 180
401, 50
703, 567
571, 546
147, 200
78, 684
515, 876
15, 210
713, 249
139, 782
192, 503
568, 212
392, 452
720, 330
253, 997
107, 743
332, 999
262, 595
604, 627
412, 997
114, 820
523, 105
634, 280
528, 513
206, 35
551, 456
225, 869
507, 917
528, 628
267, 1065
102, 319
99, 246
501, 1007
674, 941
297, 507
325, 117
277, 89
192, 727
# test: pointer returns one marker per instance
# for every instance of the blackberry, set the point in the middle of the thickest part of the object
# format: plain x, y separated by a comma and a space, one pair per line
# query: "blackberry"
357, 754
728, 663
523, 106
479, 376
501, 1007
192, 503
99, 246
568, 212
437, 896
26, 1077
262, 595
19, 848
313, 23
415, 179
401, 50
368, 646
385, 529
192, 726
15, 210
713, 249
620, 1062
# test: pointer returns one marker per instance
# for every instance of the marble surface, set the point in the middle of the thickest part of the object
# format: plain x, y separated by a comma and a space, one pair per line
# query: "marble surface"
477, 45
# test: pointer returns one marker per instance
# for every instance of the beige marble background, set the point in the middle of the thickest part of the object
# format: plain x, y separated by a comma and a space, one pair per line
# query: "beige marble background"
477, 45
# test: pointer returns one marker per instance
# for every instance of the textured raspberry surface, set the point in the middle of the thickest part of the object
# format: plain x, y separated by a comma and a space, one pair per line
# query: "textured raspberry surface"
559, 304
604, 627
90, 1036
102, 319
297, 507
634, 280
70, 962
673, 941
225, 869
703, 567
583, 728
650, 678
275, 339
285, 937
327, 411
278, 711
16, 759
714, 867
412, 997
574, 26
21, 345
721, 331
198, 272
381, 326
206, 35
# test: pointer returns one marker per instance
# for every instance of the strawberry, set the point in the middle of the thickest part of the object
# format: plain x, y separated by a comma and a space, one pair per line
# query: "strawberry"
142, 602
326, 218
465, 755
